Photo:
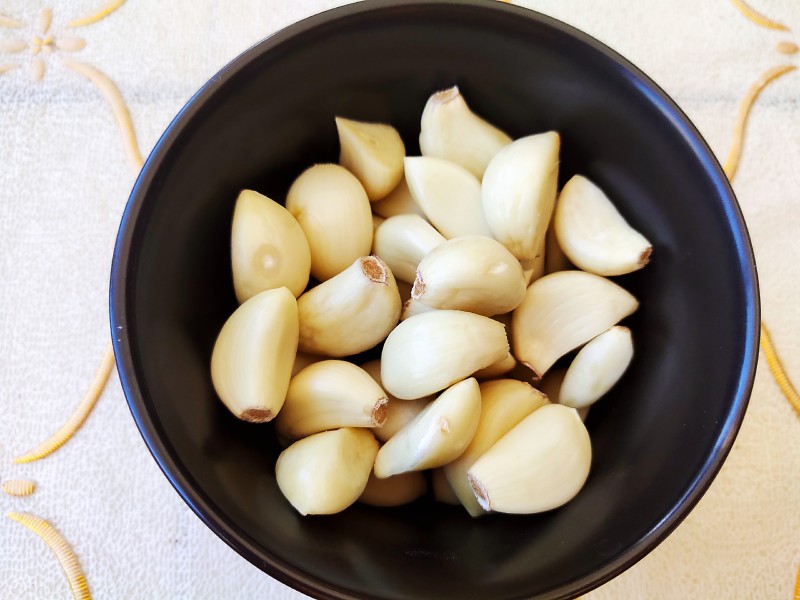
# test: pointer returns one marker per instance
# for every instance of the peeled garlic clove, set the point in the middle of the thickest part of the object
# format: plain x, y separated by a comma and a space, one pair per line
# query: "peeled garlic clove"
333, 209
413, 307
449, 195
398, 202
325, 473
501, 367
534, 268
539, 465
519, 191
394, 491
252, 358
592, 233
328, 395
437, 435
429, 352
350, 313
442, 491
398, 412
472, 273
268, 247
403, 241
597, 367
504, 403
562, 311
374, 153
450, 130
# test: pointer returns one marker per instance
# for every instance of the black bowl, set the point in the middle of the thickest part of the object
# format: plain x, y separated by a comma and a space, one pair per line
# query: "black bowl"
659, 438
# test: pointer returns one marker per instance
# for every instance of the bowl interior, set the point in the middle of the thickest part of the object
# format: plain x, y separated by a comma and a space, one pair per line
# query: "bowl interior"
658, 438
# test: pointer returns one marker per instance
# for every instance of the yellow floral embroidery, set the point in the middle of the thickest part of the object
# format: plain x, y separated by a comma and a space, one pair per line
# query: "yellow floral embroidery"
756, 17
97, 16
62, 550
19, 487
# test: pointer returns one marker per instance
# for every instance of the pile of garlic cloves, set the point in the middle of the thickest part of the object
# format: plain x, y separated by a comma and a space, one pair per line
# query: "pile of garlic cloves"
479, 280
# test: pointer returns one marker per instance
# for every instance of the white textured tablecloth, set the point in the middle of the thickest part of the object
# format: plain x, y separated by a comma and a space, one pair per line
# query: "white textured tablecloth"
64, 181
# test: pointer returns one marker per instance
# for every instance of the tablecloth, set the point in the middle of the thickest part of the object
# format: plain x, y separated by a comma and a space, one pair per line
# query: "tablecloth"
65, 176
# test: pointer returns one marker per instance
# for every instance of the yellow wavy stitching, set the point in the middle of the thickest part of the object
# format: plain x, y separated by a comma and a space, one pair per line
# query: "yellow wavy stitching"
19, 487
119, 108
60, 547
734, 154
10, 23
95, 17
68, 429
776, 366
756, 17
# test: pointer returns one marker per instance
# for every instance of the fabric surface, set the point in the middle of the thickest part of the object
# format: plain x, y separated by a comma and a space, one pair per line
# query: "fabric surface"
64, 181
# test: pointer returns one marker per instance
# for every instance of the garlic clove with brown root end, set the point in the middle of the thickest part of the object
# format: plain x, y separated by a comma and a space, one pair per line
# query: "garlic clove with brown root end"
540, 464
268, 247
504, 403
325, 473
350, 313
450, 130
252, 358
472, 273
592, 233
402, 242
398, 202
562, 311
597, 367
519, 191
449, 195
374, 153
437, 435
328, 395
333, 209
394, 491
431, 351
398, 412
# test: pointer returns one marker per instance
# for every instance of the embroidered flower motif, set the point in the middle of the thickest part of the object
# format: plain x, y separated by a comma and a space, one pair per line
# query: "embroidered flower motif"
40, 45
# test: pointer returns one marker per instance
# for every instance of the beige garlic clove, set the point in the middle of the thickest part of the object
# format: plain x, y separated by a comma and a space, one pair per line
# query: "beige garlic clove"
472, 273
398, 202
562, 311
449, 195
534, 268
333, 209
501, 367
374, 153
437, 435
268, 247
398, 412
519, 191
402, 242
431, 351
550, 386
592, 233
504, 403
252, 358
329, 395
442, 490
413, 307
597, 367
450, 130
350, 313
539, 465
325, 473
303, 359
394, 491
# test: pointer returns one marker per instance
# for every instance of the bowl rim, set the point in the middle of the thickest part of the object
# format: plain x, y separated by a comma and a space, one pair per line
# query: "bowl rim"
166, 457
